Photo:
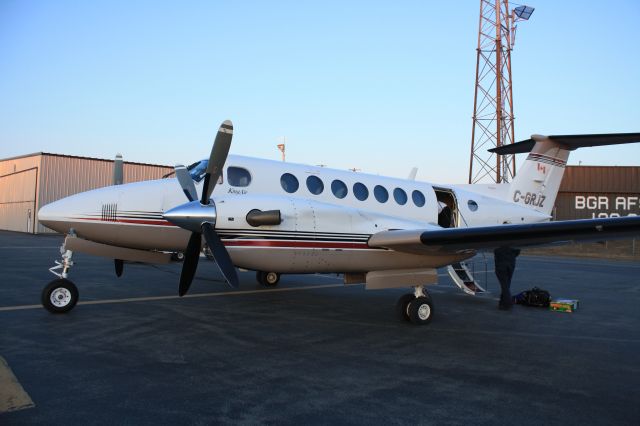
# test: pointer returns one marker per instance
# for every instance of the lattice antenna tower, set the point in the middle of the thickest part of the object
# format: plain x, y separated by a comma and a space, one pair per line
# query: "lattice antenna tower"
493, 98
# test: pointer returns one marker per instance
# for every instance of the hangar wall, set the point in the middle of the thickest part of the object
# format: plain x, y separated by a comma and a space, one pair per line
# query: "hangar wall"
33, 180
589, 192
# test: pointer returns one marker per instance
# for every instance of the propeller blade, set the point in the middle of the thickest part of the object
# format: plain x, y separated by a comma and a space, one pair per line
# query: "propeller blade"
218, 157
191, 257
119, 264
184, 178
220, 254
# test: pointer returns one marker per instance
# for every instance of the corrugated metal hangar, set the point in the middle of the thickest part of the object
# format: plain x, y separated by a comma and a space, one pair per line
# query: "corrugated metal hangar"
589, 192
31, 181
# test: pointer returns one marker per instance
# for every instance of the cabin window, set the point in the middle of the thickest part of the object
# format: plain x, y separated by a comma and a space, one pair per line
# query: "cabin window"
237, 176
473, 206
381, 193
289, 183
360, 191
400, 196
418, 198
315, 185
339, 189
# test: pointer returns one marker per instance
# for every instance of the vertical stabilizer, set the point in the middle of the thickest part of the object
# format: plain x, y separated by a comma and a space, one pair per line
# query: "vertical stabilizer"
538, 180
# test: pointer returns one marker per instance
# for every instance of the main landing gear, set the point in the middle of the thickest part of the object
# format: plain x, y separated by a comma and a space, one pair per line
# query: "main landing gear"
268, 279
416, 308
61, 295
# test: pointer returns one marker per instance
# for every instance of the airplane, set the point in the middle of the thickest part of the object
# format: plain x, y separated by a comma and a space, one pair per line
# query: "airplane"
279, 218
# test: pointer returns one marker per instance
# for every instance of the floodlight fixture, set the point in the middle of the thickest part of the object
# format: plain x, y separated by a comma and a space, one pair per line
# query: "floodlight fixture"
523, 12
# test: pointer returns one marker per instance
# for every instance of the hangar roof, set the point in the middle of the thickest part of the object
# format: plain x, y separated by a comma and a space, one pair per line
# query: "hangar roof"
35, 154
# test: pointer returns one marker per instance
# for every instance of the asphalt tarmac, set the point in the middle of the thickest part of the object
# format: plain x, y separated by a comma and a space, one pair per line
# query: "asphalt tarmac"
312, 351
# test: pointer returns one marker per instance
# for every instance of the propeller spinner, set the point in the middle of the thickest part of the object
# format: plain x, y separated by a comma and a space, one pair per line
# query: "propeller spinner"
199, 216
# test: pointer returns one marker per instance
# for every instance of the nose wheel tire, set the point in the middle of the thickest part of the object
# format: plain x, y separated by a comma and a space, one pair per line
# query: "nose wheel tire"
402, 306
268, 279
59, 296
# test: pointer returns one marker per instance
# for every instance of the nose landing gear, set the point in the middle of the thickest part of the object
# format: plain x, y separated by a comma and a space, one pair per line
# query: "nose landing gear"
416, 308
61, 295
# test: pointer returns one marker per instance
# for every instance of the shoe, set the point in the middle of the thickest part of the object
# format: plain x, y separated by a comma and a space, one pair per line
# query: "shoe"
504, 306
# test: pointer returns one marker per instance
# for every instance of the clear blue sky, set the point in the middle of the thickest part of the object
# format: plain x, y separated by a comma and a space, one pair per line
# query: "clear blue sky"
381, 86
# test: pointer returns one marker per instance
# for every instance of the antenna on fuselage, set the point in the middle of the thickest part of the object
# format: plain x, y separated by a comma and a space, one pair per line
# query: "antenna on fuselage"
413, 173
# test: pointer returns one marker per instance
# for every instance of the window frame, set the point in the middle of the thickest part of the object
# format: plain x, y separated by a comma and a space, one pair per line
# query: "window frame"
239, 168
341, 182
355, 194
296, 180
404, 194
386, 193
312, 177
423, 198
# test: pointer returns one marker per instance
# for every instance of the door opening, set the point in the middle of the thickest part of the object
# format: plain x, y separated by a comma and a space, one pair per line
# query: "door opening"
447, 208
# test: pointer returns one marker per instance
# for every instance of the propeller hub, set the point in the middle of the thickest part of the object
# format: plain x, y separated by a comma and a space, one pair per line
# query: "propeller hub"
192, 215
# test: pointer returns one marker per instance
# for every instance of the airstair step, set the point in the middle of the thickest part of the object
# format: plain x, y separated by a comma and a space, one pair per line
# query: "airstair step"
462, 277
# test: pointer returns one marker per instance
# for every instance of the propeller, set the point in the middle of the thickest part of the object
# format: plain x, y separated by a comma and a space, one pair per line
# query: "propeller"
186, 182
117, 180
199, 216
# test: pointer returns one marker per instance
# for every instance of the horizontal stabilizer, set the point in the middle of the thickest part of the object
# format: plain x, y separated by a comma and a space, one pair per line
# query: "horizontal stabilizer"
568, 142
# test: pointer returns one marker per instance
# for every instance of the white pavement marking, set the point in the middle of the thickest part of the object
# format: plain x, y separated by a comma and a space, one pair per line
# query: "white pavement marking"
12, 394
188, 296
29, 247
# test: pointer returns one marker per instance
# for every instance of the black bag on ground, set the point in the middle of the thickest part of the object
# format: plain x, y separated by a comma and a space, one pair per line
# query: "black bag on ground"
534, 297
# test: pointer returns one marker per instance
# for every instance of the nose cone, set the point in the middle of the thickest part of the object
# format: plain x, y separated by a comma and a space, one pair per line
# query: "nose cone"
55, 216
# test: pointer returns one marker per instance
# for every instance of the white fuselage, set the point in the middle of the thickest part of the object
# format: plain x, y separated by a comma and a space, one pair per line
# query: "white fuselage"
320, 232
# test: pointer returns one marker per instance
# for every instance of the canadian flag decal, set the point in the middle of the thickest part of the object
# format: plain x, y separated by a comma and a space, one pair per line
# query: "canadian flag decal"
542, 168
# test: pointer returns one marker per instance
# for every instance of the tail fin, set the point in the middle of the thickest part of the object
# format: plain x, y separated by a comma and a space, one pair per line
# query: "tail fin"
537, 182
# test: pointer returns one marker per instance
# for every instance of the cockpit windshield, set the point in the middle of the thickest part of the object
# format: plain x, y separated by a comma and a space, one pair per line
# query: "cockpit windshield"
198, 169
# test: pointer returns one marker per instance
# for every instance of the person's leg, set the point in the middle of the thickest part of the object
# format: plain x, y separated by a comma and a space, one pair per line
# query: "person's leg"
504, 277
505, 296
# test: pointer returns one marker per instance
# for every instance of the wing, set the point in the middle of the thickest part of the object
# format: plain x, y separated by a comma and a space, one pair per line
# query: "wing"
438, 240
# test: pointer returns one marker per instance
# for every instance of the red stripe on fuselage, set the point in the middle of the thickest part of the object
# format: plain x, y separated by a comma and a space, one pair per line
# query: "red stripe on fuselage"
295, 244
253, 243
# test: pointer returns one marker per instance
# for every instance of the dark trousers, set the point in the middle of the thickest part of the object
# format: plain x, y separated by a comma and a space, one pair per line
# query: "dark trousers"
504, 274
505, 262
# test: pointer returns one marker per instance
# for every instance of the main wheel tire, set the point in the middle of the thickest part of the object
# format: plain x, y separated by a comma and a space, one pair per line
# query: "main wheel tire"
177, 256
402, 306
272, 278
268, 279
59, 296
420, 310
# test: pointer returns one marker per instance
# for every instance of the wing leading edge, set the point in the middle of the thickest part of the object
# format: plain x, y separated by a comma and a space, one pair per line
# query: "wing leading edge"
436, 239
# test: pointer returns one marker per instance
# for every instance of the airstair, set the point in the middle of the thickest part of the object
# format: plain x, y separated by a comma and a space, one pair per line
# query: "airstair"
462, 277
